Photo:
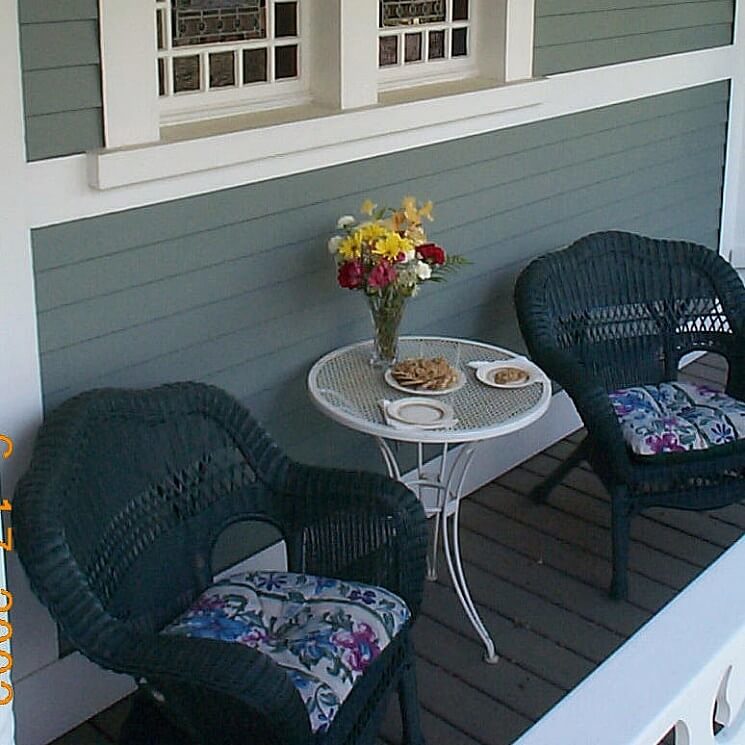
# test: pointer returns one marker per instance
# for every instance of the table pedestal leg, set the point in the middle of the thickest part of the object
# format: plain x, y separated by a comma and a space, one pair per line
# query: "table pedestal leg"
432, 555
448, 485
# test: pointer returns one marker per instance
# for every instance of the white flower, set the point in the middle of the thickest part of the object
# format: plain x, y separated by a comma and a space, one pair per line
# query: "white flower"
409, 255
423, 270
345, 221
333, 244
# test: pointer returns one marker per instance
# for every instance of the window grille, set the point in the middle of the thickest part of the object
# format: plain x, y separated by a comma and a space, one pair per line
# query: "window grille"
427, 32
210, 45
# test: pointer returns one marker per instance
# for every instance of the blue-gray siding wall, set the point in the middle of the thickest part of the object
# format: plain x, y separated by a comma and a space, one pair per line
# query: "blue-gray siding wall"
578, 34
236, 287
60, 58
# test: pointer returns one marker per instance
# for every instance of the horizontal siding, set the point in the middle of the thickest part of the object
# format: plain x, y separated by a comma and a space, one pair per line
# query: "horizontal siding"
49, 91
236, 288
60, 57
579, 34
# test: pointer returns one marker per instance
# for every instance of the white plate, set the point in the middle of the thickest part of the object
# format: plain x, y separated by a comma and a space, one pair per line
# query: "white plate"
393, 383
485, 373
423, 412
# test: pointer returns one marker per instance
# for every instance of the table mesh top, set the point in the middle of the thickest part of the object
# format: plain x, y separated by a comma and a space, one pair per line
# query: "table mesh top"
346, 381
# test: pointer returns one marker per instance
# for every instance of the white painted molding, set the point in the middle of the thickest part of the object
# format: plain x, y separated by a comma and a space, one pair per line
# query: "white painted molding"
304, 144
19, 395
129, 72
57, 190
34, 634
358, 58
518, 60
325, 55
732, 242
353, 135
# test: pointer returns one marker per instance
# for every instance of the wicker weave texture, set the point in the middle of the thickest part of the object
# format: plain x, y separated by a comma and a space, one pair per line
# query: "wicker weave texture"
616, 309
115, 522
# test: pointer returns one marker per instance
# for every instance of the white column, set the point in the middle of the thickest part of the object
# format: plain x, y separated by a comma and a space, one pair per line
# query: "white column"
129, 72
20, 397
519, 39
504, 31
732, 245
344, 43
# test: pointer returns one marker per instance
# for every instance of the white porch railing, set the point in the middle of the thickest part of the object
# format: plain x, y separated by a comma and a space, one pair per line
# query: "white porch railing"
683, 670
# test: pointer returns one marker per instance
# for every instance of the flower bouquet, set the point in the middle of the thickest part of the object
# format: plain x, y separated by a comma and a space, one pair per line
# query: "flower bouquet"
387, 256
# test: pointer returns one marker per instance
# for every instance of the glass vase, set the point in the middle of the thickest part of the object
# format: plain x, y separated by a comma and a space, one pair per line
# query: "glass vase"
386, 311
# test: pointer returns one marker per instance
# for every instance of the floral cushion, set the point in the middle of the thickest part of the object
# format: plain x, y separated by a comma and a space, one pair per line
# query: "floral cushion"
323, 632
677, 417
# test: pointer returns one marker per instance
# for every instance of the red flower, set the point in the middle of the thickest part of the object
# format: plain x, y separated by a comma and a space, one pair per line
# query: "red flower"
350, 274
382, 275
431, 253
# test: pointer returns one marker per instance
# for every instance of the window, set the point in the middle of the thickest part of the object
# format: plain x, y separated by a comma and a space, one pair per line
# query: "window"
217, 57
249, 80
425, 41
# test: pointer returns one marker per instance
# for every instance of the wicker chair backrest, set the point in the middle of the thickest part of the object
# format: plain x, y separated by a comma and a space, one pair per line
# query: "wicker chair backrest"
129, 491
629, 307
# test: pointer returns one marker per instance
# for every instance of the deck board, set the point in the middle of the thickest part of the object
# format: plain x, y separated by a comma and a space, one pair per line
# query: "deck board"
538, 574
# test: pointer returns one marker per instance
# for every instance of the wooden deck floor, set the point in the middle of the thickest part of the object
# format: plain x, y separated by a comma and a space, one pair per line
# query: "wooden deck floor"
538, 574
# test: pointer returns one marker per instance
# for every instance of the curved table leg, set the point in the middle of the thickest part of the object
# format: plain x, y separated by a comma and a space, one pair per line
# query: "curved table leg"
449, 486
453, 556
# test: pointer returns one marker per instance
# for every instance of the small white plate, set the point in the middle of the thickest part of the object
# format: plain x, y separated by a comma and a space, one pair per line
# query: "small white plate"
460, 381
485, 373
421, 412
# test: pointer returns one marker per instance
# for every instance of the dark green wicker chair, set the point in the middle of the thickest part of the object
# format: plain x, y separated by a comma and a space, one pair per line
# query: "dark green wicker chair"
615, 310
115, 522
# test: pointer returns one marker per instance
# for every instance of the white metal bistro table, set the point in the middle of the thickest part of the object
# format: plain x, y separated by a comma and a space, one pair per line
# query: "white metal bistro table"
344, 386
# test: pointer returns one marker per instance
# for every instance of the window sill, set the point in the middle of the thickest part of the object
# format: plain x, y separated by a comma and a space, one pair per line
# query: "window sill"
308, 137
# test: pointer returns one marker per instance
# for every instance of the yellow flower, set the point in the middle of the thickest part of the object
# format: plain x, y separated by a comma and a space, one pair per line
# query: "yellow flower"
409, 208
391, 246
350, 247
397, 221
370, 231
416, 235
426, 210
367, 233
368, 207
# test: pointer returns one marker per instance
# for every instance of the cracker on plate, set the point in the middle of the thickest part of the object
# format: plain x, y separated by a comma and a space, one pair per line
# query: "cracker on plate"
425, 373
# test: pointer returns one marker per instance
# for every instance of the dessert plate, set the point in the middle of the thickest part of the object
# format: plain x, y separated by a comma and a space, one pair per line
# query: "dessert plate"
393, 383
515, 373
421, 412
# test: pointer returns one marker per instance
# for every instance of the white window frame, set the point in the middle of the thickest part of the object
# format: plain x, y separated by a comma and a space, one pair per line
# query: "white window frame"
177, 108
340, 65
407, 74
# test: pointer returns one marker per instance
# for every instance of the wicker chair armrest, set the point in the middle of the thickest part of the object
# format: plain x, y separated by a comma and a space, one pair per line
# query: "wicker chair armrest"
591, 400
360, 526
198, 681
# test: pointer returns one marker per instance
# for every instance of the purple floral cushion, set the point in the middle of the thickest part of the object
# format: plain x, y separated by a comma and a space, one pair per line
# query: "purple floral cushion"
323, 632
677, 417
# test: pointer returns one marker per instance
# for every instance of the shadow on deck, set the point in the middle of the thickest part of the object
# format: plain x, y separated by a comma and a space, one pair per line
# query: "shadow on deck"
538, 574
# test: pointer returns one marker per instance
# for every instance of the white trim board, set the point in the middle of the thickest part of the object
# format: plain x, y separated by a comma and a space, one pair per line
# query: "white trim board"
58, 190
733, 205
338, 65
34, 640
